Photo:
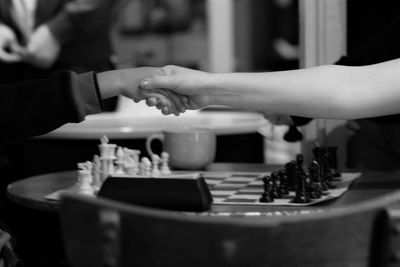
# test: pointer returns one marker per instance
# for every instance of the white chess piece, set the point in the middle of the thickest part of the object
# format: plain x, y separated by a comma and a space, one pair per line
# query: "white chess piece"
136, 158
145, 167
96, 171
107, 157
165, 170
85, 178
120, 161
155, 161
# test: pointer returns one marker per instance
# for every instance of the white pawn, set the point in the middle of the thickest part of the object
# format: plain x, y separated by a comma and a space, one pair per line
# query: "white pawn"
96, 171
85, 178
145, 167
155, 161
165, 170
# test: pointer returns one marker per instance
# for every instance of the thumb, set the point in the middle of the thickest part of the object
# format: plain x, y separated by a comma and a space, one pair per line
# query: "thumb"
157, 82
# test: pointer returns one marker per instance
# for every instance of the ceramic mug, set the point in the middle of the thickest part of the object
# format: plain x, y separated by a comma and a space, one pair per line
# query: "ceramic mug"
188, 148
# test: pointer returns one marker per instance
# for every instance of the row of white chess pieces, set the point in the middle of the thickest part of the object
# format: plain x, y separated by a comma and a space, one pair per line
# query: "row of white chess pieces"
116, 160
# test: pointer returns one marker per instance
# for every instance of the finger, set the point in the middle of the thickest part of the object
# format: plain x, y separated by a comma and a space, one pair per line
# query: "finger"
167, 104
161, 101
165, 111
166, 99
165, 82
151, 101
178, 100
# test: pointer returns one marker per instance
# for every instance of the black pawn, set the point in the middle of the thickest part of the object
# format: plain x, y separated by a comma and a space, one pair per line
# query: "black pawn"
276, 185
267, 194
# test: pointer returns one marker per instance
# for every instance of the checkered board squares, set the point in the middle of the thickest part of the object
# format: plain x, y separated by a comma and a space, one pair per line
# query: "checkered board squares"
247, 188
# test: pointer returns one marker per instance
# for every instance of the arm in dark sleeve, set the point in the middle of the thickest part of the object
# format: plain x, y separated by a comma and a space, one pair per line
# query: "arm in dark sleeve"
36, 107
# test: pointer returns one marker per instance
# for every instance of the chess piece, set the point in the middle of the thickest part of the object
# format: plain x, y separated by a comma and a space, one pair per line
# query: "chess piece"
120, 161
96, 172
84, 185
145, 167
275, 185
316, 181
332, 162
107, 157
290, 170
302, 195
165, 169
327, 176
155, 161
131, 166
284, 183
267, 194
321, 157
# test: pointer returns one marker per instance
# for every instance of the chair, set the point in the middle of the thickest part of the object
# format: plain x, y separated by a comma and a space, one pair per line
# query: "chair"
102, 232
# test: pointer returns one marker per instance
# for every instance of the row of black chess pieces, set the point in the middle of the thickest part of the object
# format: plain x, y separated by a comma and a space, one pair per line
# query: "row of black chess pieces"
307, 185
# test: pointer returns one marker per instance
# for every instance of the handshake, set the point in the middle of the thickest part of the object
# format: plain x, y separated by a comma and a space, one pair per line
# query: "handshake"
171, 89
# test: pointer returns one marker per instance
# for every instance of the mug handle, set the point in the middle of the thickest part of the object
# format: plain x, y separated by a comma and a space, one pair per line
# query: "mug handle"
150, 139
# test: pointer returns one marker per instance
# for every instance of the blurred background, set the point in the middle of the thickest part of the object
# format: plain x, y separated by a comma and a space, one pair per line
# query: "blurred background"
217, 36
209, 35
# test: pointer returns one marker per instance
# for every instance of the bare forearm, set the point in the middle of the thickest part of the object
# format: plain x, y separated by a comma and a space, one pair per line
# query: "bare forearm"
326, 91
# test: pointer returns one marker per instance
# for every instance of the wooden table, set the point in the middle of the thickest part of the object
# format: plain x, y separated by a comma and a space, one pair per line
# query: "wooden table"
30, 192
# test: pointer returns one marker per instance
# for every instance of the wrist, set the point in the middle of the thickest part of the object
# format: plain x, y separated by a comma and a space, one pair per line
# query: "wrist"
109, 83
218, 89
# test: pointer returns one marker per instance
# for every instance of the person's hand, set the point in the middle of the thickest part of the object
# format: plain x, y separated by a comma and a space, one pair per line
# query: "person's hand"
126, 82
42, 49
189, 85
9, 46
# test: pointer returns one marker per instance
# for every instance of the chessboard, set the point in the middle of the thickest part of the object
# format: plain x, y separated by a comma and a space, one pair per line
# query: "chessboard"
246, 188
293, 185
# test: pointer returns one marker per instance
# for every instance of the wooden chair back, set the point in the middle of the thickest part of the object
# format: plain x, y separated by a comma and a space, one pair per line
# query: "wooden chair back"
102, 232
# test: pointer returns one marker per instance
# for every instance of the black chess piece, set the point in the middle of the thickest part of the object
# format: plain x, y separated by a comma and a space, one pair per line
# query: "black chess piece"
276, 184
302, 195
315, 180
299, 169
284, 182
267, 194
290, 169
321, 155
332, 162
327, 176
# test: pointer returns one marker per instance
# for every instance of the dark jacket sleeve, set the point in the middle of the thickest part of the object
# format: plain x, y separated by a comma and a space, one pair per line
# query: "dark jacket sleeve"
36, 107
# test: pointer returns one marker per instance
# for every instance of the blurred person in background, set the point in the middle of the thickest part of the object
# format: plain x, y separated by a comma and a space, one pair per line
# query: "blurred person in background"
37, 38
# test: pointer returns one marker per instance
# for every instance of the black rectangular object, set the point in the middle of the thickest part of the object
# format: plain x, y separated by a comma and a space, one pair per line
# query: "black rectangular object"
181, 192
